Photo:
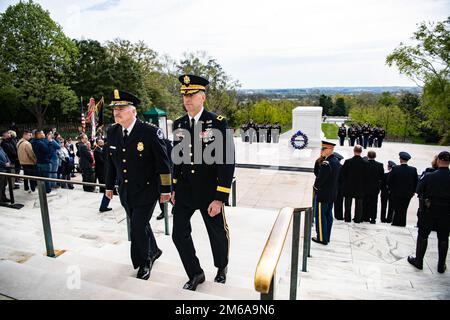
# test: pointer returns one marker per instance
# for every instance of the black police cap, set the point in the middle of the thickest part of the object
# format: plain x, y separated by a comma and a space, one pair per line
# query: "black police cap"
191, 83
404, 155
391, 164
122, 98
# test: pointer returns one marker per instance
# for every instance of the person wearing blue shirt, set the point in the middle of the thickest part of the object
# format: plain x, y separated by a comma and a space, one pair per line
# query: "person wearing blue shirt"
43, 150
4, 162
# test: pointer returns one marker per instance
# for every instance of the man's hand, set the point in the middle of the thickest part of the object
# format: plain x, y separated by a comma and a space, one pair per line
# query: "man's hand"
215, 208
173, 197
164, 198
109, 194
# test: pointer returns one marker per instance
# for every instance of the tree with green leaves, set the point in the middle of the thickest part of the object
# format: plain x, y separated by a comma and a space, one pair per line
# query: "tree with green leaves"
36, 60
326, 103
427, 62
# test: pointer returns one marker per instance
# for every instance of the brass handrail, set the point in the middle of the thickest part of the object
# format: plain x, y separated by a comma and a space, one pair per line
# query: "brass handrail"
270, 256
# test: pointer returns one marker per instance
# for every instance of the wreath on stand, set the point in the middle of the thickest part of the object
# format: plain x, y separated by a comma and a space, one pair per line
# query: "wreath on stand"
299, 140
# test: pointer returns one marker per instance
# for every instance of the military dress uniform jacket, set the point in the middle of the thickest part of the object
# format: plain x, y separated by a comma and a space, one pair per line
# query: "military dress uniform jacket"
326, 184
374, 177
140, 165
435, 187
198, 184
403, 181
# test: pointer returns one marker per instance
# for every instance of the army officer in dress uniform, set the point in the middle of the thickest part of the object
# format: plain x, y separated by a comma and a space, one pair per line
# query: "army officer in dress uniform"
137, 158
202, 179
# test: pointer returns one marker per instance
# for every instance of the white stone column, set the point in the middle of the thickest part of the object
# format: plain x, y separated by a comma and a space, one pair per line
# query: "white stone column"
309, 121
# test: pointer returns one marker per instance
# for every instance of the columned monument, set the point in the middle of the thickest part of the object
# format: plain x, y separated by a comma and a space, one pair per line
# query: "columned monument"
309, 121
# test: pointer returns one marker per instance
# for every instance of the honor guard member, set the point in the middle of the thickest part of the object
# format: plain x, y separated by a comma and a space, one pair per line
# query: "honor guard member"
325, 186
402, 183
381, 135
137, 158
342, 133
200, 184
434, 192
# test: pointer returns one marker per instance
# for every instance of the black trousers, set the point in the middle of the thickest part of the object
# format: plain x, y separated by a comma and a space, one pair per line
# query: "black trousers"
3, 184
370, 205
439, 218
341, 141
352, 142
143, 242
338, 207
380, 142
400, 205
88, 176
358, 209
386, 203
218, 237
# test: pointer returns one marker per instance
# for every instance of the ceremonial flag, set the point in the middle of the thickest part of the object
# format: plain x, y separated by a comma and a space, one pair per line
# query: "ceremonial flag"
91, 109
83, 121
99, 109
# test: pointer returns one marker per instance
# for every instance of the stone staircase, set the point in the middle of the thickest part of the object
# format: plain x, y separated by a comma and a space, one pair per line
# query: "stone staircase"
362, 262
95, 247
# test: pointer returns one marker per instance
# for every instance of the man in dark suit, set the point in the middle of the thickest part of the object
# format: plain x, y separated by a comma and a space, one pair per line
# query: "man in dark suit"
86, 162
138, 160
373, 179
325, 187
434, 191
353, 175
202, 178
386, 203
99, 156
402, 182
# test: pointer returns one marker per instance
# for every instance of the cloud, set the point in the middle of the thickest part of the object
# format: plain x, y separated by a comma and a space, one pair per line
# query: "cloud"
105, 5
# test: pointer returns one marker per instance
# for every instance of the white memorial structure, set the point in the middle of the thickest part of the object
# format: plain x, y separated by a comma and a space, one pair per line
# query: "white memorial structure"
309, 121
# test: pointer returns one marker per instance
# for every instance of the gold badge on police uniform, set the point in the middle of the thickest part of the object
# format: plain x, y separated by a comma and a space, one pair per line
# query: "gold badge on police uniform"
140, 146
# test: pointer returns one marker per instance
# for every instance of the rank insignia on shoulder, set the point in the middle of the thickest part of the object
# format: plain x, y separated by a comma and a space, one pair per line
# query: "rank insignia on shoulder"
140, 146
220, 118
325, 162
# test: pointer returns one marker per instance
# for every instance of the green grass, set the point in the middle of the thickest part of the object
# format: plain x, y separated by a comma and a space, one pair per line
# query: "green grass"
330, 130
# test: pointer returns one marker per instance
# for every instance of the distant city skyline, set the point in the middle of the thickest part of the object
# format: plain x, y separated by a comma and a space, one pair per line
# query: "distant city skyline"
264, 45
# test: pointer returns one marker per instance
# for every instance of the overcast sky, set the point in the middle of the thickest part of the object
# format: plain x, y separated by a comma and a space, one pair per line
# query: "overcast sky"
262, 43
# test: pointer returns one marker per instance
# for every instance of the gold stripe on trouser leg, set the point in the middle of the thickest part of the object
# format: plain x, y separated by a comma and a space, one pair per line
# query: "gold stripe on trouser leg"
225, 226
320, 221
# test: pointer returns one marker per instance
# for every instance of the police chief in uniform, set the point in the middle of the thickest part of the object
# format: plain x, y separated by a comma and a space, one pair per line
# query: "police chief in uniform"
137, 158
199, 183
434, 191
326, 189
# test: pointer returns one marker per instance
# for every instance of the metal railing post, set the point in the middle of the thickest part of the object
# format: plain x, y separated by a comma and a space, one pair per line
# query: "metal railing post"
294, 258
309, 214
166, 218
271, 294
128, 228
233, 195
45, 219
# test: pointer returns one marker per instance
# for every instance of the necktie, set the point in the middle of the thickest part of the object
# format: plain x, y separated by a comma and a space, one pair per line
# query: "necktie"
125, 135
192, 124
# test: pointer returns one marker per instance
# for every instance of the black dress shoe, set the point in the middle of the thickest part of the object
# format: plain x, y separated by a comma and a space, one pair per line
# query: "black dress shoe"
373, 222
160, 216
144, 271
156, 255
221, 275
318, 241
104, 209
194, 282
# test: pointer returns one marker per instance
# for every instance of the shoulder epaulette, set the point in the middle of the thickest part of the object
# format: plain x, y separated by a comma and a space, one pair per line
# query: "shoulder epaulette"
325, 162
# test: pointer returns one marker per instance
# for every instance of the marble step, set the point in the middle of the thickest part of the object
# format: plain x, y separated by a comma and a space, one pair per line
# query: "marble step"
169, 274
113, 278
242, 286
23, 282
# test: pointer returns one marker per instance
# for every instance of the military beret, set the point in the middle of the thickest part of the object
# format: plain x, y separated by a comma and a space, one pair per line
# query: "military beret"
404, 155
122, 99
191, 84
338, 156
444, 156
391, 163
